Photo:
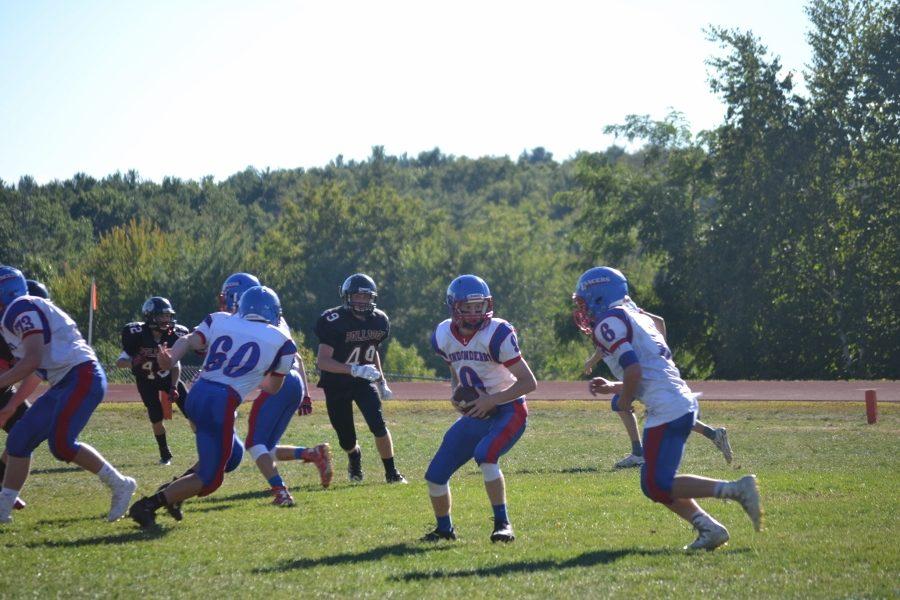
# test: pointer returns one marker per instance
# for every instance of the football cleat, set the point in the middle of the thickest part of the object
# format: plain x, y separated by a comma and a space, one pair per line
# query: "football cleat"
503, 533
748, 496
19, 504
632, 460
174, 510
710, 536
721, 442
122, 491
395, 477
282, 496
438, 535
165, 460
354, 468
143, 513
321, 457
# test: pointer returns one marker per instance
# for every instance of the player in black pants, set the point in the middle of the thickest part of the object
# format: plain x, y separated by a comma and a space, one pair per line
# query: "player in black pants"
7, 419
348, 359
140, 342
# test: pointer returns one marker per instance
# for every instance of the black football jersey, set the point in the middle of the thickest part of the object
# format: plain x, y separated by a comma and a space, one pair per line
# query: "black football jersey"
355, 341
137, 340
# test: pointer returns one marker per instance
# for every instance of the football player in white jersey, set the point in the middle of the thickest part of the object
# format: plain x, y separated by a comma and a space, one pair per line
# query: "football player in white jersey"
45, 340
482, 353
636, 353
243, 351
717, 435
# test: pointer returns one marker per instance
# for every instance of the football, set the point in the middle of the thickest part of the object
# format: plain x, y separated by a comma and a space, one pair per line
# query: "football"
463, 397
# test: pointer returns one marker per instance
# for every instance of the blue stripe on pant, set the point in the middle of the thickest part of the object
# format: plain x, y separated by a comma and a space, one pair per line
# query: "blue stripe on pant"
60, 414
270, 415
663, 449
485, 440
211, 406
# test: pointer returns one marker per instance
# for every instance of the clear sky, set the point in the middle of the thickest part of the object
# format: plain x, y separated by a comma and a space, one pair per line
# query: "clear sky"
193, 88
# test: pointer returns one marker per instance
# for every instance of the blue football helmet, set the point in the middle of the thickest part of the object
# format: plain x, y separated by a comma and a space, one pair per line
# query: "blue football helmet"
12, 285
464, 290
260, 303
36, 288
597, 290
234, 286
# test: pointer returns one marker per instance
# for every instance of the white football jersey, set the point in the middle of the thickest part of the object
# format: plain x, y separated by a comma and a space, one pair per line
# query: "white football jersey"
240, 353
483, 360
64, 347
662, 390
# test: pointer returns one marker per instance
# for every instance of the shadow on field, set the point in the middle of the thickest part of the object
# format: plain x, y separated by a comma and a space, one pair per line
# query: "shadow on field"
239, 496
70, 520
570, 470
375, 554
210, 507
142, 535
54, 470
588, 559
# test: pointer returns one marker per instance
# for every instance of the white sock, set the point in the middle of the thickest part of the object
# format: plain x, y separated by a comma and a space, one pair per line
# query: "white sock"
7, 499
109, 475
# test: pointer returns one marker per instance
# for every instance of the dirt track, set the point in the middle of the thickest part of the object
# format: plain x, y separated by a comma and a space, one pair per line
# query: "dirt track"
820, 391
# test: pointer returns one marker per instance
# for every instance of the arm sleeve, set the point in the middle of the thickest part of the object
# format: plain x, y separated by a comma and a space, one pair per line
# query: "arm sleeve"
204, 328
613, 334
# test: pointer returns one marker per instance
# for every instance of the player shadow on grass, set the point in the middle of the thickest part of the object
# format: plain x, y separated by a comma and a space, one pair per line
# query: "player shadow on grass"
100, 540
374, 554
588, 559
568, 471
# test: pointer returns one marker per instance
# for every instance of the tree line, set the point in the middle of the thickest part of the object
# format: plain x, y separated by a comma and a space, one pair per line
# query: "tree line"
768, 243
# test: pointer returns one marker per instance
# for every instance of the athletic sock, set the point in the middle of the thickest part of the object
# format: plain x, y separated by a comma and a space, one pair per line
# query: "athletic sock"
389, 468
7, 500
726, 489
637, 449
500, 514
2, 470
163, 446
444, 523
158, 500
298, 452
109, 475
276, 481
709, 432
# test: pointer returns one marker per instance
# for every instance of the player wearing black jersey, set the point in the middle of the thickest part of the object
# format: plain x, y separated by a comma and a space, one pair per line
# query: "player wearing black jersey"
348, 359
140, 343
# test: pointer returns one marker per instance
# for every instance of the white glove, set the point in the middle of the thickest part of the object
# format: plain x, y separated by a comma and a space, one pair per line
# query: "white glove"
386, 393
365, 372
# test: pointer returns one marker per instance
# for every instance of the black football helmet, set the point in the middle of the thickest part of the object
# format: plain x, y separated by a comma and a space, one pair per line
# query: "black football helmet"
359, 283
36, 288
155, 311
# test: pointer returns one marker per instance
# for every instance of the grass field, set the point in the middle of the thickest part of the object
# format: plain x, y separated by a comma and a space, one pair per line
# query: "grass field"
829, 483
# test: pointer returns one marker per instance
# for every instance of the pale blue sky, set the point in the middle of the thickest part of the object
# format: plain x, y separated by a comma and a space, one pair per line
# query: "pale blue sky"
190, 88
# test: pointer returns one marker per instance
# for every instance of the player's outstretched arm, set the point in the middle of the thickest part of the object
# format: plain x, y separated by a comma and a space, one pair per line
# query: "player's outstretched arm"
168, 357
592, 361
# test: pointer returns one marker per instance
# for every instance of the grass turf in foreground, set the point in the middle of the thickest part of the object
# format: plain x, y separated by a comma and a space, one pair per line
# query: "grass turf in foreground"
829, 485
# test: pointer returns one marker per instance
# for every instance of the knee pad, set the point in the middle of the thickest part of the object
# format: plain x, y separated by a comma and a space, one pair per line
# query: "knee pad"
257, 451
491, 471
436, 490
237, 455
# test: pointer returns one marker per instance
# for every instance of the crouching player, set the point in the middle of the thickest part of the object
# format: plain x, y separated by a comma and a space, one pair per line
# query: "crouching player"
482, 352
271, 414
243, 351
636, 352
45, 340
13, 399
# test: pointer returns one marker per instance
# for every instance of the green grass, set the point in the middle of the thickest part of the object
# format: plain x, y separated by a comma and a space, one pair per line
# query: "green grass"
829, 485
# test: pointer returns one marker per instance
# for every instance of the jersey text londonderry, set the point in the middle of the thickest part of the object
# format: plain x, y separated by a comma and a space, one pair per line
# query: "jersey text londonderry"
469, 355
